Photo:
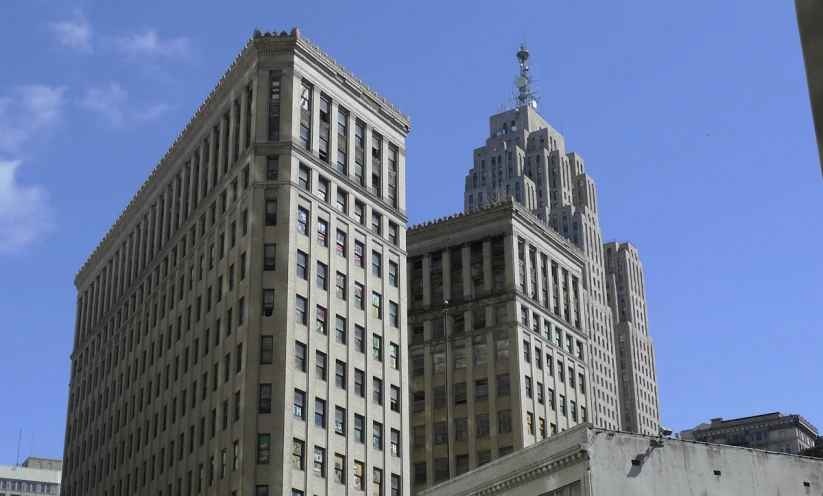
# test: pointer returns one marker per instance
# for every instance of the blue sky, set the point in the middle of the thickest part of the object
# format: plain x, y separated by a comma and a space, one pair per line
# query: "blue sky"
693, 118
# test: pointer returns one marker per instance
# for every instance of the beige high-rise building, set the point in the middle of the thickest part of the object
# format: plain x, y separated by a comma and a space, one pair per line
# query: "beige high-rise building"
498, 343
525, 159
810, 24
239, 327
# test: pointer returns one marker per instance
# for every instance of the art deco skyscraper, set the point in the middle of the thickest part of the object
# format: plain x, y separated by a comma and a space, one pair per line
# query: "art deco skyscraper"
524, 159
239, 327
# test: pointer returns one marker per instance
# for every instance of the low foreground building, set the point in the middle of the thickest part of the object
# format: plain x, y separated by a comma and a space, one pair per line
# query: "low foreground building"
21, 481
770, 432
595, 462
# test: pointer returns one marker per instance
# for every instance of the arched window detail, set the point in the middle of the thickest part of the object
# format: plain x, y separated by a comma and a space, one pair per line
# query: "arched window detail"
471, 202
474, 180
479, 200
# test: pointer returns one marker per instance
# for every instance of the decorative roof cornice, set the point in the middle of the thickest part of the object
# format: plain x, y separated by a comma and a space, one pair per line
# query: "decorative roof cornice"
164, 162
442, 226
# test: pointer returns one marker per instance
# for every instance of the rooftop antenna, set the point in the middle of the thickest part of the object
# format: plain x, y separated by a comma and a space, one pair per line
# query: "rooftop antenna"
19, 440
524, 81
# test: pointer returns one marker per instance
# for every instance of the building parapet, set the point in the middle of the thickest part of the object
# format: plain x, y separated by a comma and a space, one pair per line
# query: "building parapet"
511, 207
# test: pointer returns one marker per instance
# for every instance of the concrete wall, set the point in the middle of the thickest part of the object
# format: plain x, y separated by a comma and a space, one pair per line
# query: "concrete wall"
601, 462
687, 468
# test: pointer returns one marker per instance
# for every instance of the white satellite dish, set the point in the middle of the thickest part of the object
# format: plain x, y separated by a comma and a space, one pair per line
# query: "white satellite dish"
514, 128
521, 82
534, 104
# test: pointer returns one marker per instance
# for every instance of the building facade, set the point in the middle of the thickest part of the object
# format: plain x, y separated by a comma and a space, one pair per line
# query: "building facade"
25, 480
592, 462
771, 432
239, 328
44, 463
525, 159
810, 23
497, 340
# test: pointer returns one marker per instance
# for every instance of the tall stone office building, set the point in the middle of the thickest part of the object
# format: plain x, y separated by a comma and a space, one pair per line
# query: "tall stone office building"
525, 159
239, 327
498, 342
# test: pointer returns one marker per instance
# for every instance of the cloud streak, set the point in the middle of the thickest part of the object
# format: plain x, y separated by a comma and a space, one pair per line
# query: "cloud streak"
75, 34
112, 102
33, 109
149, 44
25, 212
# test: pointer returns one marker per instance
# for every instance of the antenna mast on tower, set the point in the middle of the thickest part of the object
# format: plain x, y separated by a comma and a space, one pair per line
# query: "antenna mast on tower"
525, 95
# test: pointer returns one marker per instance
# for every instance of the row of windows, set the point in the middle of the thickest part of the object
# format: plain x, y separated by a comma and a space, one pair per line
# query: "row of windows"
441, 465
31, 487
341, 202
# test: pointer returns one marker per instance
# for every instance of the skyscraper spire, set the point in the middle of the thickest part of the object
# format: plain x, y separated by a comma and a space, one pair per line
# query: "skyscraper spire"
525, 96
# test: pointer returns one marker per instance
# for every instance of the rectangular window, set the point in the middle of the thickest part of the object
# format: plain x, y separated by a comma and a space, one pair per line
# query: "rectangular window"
393, 233
302, 262
269, 251
340, 421
394, 356
323, 189
393, 274
377, 435
342, 201
376, 305
358, 254
320, 365
297, 454
302, 221
339, 468
481, 389
271, 212
377, 347
359, 339
504, 421
359, 425
340, 329
340, 244
393, 317
300, 309
300, 356
376, 262
358, 296
271, 169
377, 391
322, 227
481, 423
340, 285
358, 475
268, 303
299, 409
340, 374
359, 210
503, 385
263, 449
322, 270
359, 379
320, 321
376, 223
264, 402
320, 413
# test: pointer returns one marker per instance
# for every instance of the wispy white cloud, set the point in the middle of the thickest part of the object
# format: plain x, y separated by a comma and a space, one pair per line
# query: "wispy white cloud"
76, 33
32, 109
149, 44
113, 103
25, 212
